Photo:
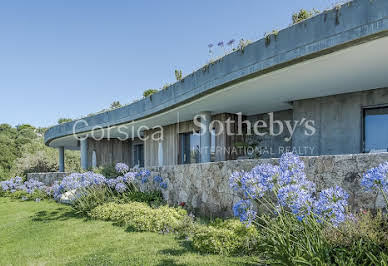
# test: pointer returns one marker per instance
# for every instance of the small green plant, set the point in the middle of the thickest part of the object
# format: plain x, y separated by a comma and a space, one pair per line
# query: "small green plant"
302, 15
268, 36
149, 92
115, 105
108, 171
139, 216
242, 44
64, 120
178, 74
165, 86
229, 237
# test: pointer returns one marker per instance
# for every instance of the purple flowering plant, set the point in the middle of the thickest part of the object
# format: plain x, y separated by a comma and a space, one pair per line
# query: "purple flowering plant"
377, 179
284, 188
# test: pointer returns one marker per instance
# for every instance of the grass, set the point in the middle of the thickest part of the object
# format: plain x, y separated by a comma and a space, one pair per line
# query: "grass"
47, 233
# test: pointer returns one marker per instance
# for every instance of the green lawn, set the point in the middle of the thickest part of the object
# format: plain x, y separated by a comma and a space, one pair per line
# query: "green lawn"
47, 233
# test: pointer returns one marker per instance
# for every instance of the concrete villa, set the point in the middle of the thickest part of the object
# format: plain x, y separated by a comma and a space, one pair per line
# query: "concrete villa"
319, 87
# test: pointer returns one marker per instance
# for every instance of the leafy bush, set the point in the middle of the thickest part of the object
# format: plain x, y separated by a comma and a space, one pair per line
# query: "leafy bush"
21, 194
229, 237
360, 240
108, 171
302, 15
149, 92
141, 217
91, 197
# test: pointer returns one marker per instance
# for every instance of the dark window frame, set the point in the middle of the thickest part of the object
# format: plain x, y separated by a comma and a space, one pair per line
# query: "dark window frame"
363, 111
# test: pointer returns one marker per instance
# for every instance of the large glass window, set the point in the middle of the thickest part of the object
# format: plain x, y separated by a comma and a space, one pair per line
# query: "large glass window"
190, 148
190, 145
138, 155
376, 129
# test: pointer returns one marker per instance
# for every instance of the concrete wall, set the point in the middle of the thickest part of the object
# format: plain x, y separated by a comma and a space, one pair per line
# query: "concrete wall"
338, 121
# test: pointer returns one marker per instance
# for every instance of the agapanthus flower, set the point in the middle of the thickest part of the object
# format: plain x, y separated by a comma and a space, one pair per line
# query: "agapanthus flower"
129, 177
158, 179
297, 199
163, 185
210, 45
122, 168
144, 179
243, 210
221, 44
376, 178
121, 187
331, 205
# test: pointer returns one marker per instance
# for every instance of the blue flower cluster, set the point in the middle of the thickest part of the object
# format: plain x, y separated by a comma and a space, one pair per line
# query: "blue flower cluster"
243, 209
17, 184
159, 181
90, 179
121, 168
78, 181
331, 205
289, 184
376, 178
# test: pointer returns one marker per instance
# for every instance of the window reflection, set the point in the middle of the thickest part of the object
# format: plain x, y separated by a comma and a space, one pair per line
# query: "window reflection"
376, 129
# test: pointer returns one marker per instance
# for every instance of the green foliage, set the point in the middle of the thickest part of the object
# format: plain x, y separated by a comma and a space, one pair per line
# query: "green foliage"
64, 120
287, 241
21, 194
229, 237
90, 198
108, 171
115, 105
12, 141
139, 216
178, 74
152, 198
48, 233
35, 157
242, 44
302, 15
149, 92
362, 240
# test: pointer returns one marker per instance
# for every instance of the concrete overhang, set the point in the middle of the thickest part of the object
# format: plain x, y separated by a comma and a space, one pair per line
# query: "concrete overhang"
338, 51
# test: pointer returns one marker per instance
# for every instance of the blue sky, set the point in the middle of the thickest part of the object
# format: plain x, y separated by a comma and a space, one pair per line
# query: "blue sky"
70, 58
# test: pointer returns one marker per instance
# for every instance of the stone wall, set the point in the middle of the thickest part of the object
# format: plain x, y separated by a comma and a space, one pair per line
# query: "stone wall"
47, 178
205, 187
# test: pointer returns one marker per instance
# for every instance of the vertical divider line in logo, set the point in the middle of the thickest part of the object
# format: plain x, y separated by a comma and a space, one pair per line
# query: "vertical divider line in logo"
177, 134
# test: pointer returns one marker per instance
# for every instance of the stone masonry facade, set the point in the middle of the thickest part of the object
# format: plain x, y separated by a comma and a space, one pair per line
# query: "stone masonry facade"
205, 187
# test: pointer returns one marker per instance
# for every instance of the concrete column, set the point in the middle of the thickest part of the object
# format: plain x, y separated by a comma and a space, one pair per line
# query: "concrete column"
205, 136
61, 151
84, 154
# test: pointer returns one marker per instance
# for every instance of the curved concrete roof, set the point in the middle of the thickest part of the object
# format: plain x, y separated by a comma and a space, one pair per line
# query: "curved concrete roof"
354, 23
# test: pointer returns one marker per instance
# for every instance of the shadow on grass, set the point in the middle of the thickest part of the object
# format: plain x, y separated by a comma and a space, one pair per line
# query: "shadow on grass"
60, 214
